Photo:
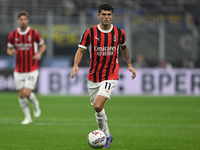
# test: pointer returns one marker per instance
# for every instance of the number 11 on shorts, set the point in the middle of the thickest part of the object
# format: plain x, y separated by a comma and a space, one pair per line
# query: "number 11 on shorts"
107, 86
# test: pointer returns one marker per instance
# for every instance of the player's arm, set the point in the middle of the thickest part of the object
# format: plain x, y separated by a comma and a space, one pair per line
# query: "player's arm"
125, 53
10, 46
11, 51
77, 60
38, 55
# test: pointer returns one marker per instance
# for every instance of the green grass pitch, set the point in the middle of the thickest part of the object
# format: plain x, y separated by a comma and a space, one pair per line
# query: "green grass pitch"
136, 123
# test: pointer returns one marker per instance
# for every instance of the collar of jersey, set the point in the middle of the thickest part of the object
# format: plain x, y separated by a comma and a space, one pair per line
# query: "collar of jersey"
20, 32
105, 31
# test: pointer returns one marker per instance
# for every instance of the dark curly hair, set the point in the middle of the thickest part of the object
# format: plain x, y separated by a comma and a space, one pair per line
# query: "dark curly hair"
105, 6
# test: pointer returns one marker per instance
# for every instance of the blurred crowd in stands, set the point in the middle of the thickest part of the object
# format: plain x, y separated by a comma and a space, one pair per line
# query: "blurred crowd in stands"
72, 8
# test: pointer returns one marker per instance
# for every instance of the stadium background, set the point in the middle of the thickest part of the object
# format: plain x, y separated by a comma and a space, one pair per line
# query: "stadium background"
164, 33
159, 110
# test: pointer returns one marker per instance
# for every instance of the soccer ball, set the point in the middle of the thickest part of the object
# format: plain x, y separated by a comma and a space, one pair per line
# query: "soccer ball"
96, 139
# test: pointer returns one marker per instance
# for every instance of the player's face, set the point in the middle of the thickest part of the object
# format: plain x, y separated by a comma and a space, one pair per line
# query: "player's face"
105, 17
23, 22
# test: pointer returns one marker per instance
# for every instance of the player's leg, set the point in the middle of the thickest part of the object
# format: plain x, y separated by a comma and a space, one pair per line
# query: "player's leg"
101, 118
30, 83
100, 114
104, 93
35, 103
24, 106
19, 79
98, 103
99, 93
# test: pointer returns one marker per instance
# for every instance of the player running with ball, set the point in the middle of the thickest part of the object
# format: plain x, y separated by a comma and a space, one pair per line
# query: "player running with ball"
104, 40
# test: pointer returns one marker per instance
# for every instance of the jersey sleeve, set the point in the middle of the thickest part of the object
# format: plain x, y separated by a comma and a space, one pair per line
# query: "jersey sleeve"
123, 39
39, 40
11, 39
85, 40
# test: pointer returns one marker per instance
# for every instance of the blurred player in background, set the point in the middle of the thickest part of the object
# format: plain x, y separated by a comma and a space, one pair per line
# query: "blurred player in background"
104, 40
24, 42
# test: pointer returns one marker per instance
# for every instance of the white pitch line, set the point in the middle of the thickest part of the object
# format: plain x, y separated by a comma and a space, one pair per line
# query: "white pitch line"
86, 123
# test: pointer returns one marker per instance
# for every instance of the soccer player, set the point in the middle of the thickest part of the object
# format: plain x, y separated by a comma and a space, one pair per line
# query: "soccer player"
104, 40
24, 42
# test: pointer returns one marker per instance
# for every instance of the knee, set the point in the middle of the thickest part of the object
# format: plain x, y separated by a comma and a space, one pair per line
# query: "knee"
97, 107
27, 92
24, 94
99, 103
21, 94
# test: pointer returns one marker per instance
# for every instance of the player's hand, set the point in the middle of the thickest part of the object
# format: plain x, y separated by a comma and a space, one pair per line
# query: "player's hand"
133, 72
37, 56
74, 70
11, 52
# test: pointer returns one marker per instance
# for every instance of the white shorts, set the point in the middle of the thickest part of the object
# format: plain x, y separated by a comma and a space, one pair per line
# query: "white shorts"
104, 88
27, 80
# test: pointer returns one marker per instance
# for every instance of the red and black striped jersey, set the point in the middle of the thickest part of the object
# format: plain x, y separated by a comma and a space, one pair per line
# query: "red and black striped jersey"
104, 49
26, 45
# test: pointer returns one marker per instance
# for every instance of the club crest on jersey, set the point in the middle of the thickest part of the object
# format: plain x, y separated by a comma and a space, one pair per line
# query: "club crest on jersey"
114, 38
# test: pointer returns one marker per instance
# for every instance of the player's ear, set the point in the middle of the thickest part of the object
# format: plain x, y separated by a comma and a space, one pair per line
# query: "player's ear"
98, 14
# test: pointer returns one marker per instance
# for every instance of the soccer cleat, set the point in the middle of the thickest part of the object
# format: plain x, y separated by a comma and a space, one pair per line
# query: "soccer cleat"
108, 141
26, 121
36, 111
